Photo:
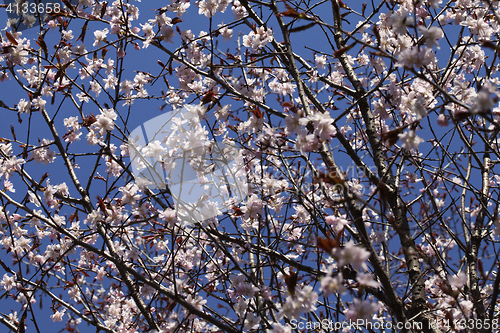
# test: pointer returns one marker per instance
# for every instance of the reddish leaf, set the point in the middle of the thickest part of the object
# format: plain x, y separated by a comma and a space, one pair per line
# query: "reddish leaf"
237, 211
64, 87
208, 97
256, 112
54, 14
343, 50
103, 10
170, 306
291, 12
480, 268
231, 57
162, 10
327, 244
450, 319
101, 204
302, 28
490, 45
330, 178
176, 20
392, 136
376, 33
462, 115
21, 328
73, 216
103, 53
291, 282
84, 31
89, 120
448, 290
40, 42
11, 38
44, 176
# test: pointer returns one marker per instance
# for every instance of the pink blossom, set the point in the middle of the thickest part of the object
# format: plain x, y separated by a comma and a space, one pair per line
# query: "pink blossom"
337, 222
105, 121
67, 34
478, 26
330, 285
278, 328
351, 254
435, 3
58, 315
259, 39
8, 281
442, 120
410, 140
431, 35
168, 33
24, 106
361, 310
367, 280
196, 301
458, 280
130, 194
43, 153
100, 36
304, 301
400, 21
415, 56
251, 323
320, 61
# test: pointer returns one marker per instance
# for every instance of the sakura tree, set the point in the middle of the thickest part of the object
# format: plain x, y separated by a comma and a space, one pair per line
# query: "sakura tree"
343, 166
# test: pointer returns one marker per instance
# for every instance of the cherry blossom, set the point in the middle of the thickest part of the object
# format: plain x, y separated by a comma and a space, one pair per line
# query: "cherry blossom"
8, 281
410, 140
24, 106
361, 310
431, 35
44, 154
442, 120
105, 121
352, 255
58, 315
258, 39
458, 280
330, 285
400, 21
338, 222
367, 280
304, 301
